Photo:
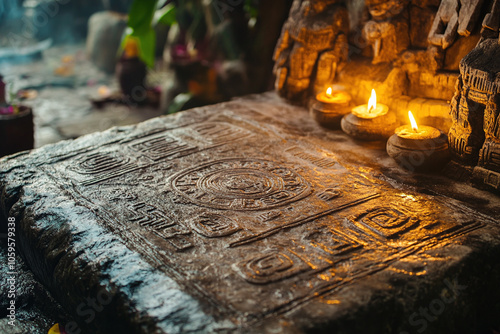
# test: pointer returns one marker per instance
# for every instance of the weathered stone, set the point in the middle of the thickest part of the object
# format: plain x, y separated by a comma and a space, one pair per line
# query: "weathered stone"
424, 39
35, 309
311, 49
388, 30
432, 85
468, 17
449, 17
491, 22
426, 3
475, 111
247, 216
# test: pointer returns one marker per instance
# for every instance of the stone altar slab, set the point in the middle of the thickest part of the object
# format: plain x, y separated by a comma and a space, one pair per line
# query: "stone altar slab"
248, 217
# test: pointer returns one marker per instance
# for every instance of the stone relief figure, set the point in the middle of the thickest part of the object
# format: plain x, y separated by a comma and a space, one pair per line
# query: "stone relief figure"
475, 133
387, 31
312, 48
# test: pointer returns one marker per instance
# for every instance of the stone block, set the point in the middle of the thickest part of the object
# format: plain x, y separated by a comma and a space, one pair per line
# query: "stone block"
432, 85
248, 217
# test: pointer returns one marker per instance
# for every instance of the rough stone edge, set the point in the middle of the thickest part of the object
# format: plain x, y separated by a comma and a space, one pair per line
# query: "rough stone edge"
48, 248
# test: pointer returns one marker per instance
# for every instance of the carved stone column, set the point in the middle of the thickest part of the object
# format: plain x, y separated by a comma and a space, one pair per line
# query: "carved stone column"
475, 134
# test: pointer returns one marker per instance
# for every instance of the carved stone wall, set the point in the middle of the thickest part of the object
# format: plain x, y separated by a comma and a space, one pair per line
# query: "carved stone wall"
408, 50
475, 134
312, 48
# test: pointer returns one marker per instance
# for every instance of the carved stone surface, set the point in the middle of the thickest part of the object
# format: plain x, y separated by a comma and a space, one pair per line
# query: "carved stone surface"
455, 30
388, 29
475, 134
311, 49
248, 217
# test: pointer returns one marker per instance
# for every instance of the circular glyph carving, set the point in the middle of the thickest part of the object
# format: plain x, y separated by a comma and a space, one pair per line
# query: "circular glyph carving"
241, 184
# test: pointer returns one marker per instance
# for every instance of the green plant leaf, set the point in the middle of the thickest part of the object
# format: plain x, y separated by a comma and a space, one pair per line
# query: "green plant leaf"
139, 27
251, 8
178, 103
141, 15
167, 15
147, 43
161, 3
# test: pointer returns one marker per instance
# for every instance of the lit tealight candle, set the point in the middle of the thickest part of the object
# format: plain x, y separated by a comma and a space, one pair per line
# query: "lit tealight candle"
330, 106
418, 148
413, 131
372, 109
333, 97
371, 121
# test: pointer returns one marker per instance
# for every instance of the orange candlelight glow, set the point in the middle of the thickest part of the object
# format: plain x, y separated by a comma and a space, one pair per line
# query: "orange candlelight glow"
412, 121
333, 96
372, 109
414, 132
104, 91
372, 102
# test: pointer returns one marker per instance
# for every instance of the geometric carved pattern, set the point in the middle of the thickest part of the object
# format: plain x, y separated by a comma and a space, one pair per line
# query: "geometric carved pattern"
214, 225
161, 147
276, 231
220, 132
149, 216
322, 162
241, 184
334, 243
270, 215
329, 194
155, 220
270, 267
96, 163
385, 222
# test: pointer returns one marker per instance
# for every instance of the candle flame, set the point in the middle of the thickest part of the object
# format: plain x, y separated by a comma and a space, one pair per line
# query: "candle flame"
329, 92
413, 122
104, 91
372, 102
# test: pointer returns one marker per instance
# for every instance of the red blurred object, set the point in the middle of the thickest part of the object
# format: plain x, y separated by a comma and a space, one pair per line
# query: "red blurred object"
16, 128
2, 91
16, 131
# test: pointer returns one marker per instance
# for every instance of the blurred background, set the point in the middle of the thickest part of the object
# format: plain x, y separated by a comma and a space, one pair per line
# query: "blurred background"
72, 67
